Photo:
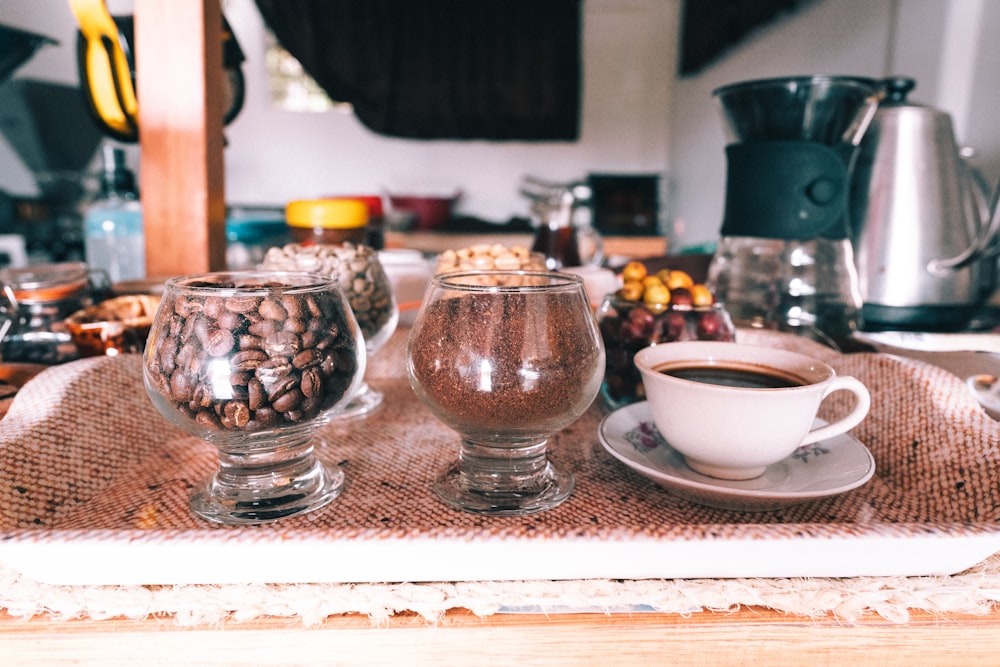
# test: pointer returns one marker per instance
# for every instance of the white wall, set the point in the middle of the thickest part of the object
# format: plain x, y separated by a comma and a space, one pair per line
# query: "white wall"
637, 117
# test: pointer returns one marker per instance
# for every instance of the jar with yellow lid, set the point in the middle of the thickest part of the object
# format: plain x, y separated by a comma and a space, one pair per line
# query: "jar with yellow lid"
327, 221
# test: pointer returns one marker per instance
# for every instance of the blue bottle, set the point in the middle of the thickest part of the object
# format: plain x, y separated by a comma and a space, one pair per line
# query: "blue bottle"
114, 239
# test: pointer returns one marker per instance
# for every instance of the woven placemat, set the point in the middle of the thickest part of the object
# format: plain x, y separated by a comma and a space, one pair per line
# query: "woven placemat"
83, 450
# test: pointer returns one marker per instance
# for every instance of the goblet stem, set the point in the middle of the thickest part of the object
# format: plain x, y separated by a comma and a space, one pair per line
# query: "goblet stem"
503, 480
259, 483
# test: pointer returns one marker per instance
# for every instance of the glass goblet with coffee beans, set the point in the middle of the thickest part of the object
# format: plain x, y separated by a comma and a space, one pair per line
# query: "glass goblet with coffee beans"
253, 362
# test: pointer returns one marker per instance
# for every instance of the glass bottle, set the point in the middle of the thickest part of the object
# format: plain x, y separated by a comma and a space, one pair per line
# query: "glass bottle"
114, 239
552, 209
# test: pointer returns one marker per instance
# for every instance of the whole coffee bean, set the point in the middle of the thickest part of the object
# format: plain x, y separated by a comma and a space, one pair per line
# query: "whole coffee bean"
284, 343
280, 386
203, 327
272, 310
250, 342
207, 419
166, 356
296, 324
181, 387
201, 397
256, 396
238, 413
264, 328
273, 368
185, 306
247, 360
329, 365
288, 400
218, 342
292, 306
306, 358
311, 383
265, 416
242, 304
192, 326
231, 321
241, 378
309, 339
214, 307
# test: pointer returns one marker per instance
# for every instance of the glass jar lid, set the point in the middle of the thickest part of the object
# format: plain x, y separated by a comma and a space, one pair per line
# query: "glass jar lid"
327, 213
45, 282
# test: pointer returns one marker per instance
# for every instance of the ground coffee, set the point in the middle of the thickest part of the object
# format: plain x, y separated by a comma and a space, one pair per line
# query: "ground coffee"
491, 361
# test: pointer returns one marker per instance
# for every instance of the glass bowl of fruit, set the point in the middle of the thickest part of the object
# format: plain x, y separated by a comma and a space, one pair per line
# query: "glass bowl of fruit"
649, 309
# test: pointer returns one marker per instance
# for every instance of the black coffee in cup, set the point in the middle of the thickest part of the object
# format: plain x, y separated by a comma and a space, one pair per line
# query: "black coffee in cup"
733, 375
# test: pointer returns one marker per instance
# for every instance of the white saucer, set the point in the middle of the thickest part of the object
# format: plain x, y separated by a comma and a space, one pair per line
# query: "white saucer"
827, 468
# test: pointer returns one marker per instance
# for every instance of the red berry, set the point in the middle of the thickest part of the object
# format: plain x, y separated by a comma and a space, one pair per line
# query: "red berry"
681, 296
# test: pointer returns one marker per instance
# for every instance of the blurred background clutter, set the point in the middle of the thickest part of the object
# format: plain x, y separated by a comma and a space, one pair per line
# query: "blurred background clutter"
647, 136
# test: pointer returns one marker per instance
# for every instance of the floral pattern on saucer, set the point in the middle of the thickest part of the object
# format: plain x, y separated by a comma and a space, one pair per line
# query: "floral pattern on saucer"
820, 470
645, 437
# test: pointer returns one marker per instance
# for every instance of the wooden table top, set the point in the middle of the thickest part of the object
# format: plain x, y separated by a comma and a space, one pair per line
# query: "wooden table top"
747, 636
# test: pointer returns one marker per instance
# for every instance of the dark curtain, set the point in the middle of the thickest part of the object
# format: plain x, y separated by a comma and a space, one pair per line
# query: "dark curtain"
443, 69
709, 28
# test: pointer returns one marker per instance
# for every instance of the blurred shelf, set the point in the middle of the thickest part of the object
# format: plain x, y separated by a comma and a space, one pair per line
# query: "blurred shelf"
436, 242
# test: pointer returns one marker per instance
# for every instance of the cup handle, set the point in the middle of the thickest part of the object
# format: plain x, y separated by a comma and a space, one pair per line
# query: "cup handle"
849, 421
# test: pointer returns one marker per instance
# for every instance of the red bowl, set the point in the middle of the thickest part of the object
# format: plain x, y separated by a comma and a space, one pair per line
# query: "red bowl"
428, 212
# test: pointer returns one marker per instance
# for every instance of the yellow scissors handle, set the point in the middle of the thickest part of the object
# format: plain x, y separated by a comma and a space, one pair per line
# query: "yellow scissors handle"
109, 79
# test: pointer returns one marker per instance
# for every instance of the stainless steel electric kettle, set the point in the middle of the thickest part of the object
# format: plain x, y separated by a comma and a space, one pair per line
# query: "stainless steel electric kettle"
924, 228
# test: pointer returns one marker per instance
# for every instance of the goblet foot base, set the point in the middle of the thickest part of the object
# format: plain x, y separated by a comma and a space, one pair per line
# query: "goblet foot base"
366, 401
256, 499
541, 492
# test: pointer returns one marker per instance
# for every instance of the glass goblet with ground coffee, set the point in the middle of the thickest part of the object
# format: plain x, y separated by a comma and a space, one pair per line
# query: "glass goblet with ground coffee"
254, 362
507, 359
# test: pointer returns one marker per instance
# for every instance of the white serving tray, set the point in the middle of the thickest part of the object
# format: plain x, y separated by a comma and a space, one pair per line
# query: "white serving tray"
82, 503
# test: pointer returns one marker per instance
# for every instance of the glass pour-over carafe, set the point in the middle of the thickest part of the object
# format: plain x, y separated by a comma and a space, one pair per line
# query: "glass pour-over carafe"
784, 259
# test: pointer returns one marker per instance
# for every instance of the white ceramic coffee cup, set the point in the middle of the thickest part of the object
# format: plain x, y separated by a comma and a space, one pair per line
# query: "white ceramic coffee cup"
736, 432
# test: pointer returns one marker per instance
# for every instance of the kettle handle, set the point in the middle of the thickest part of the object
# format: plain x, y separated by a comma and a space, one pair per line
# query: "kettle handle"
986, 209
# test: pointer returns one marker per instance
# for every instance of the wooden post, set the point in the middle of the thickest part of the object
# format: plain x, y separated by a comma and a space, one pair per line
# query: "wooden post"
179, 87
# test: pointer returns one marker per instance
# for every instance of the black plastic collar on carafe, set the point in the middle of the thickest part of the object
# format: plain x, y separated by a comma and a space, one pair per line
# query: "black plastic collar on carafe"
796, 190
